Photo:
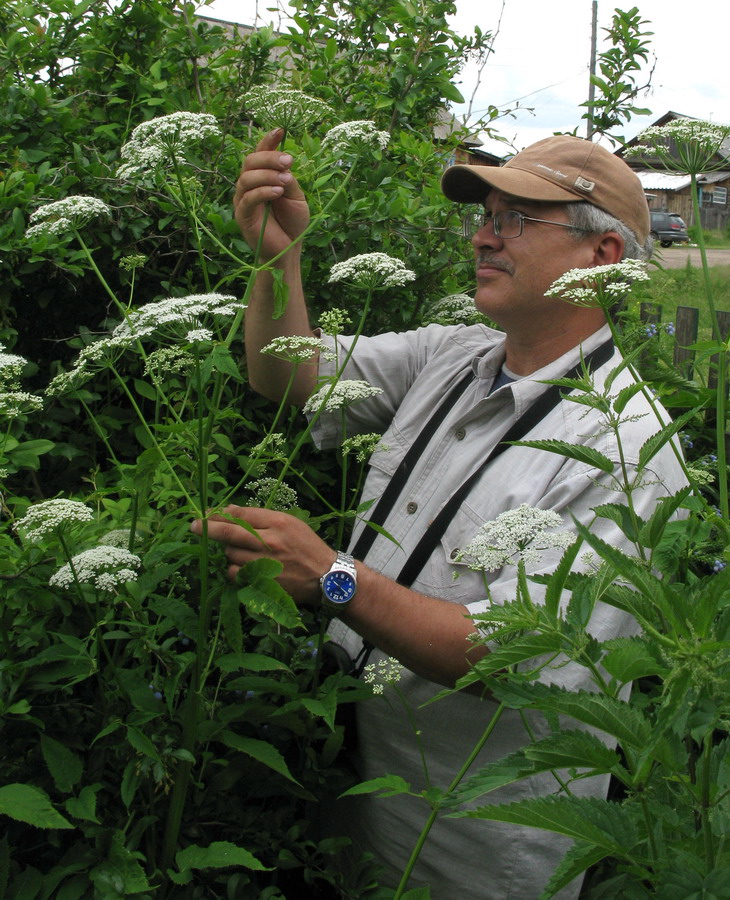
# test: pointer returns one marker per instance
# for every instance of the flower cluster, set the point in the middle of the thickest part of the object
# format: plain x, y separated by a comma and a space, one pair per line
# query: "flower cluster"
355, 137
105, 567
164, 139
363, 446
65, 216
13, 400
51, 515
516, 535
272, 493
117, 537
284, 107
168, 361
385, 671
653, 329
297, 348
132, 262
688, 146
454, 309
341, 395
372, 270
187, 312
602, 286
333, 321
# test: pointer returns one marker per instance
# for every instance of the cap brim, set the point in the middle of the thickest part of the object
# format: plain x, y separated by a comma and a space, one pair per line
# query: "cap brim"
471, 184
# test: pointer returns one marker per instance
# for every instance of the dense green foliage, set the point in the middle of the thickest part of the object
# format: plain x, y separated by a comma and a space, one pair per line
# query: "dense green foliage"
167, 733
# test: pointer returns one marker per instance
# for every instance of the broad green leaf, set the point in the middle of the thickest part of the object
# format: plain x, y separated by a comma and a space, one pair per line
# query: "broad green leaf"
262, 752
26, 803
653, 529
230, 615
265, 596
64, 765
388, 785
84, 806
577, 860
218, 855
631, 658
572, 451
142, 744
223, 362
517, 651
250, 662
621, 515
281, 293
625, 395
655, 443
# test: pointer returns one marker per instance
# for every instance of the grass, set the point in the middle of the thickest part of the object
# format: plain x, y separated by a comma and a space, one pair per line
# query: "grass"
670, 288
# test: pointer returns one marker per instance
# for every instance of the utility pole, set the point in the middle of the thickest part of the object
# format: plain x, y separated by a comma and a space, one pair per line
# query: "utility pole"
592, 68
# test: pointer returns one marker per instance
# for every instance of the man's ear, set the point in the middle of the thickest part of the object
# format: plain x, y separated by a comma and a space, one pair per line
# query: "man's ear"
608, 248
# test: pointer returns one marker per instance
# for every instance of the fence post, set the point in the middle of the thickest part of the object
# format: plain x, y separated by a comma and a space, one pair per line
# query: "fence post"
685, 334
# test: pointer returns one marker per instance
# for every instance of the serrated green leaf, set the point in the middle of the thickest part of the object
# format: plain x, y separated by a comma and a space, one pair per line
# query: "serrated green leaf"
621, 515
606, 825
223, 362
653, 530
630, 658
388, 785
30, 804
142, 744
262, 752
84, 806
654, 444
571, 451
64, 765
218, 855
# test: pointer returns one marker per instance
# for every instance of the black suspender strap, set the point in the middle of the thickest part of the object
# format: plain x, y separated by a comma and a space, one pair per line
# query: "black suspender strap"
403, 472
535, 413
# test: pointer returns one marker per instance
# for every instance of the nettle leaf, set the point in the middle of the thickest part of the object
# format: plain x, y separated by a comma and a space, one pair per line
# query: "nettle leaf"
517, 651
572, 451
261, 751
64, 765
387, 785
630, 658
26, 803
625, 395
281, 292
579, 857
653, 530
218, 855
621, 515
606, 825
655, 443
626, 723
230, 615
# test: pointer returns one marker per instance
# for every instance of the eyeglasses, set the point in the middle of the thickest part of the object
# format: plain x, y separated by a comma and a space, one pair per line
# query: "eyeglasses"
507, 224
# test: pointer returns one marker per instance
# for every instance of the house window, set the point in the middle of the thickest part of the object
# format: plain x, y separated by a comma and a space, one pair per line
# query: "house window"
719, 196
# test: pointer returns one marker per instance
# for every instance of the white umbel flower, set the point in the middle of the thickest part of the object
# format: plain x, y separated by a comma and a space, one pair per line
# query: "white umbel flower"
105, 567
297, 348
385, 671
284, 107
156, 143
64, 216
599, 286
50, 515
518, 534
372, 270
688, 146
358, 136
343, 394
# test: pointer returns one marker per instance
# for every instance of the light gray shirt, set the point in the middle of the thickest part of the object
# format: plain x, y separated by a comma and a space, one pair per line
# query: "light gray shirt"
462, 857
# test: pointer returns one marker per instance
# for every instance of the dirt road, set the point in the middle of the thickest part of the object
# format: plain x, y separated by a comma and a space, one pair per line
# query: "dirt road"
676, 257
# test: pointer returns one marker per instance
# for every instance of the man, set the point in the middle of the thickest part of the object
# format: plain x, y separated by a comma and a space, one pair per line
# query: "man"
563, 203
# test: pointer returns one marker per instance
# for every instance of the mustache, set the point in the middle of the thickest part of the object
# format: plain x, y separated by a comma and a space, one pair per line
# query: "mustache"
485, 258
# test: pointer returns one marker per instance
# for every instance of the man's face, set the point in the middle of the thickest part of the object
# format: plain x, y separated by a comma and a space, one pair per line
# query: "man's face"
513, 274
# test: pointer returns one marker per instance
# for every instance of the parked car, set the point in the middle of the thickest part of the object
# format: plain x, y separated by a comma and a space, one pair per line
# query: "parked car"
668, 228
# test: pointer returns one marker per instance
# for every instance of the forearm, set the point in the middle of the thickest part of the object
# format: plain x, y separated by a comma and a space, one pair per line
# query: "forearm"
268, 375
431, 637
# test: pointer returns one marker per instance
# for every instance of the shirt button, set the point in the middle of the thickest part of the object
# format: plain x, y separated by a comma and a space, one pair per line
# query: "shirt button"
460, 434
454, 553
412, 507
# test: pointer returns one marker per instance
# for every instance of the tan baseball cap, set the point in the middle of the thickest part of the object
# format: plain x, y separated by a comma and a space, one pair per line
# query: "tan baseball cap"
561, 169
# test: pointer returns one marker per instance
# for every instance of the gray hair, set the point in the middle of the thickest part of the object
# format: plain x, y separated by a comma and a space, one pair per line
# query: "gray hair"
588, 219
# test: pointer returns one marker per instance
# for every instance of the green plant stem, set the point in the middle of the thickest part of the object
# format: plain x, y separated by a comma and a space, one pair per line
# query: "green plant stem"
721, 401
459, 777
192, 218
705, 790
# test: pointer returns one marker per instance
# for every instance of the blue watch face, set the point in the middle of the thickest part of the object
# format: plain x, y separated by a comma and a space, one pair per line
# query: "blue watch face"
338, 586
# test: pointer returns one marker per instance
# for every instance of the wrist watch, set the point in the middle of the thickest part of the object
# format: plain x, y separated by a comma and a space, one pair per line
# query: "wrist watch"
339, 584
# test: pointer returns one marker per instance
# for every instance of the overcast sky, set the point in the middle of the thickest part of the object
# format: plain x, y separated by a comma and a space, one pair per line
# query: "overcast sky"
542, 51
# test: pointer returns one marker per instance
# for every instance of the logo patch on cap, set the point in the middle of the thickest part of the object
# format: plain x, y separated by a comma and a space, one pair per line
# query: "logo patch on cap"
583, 184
